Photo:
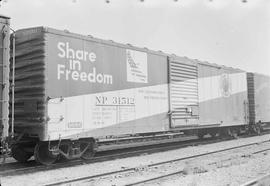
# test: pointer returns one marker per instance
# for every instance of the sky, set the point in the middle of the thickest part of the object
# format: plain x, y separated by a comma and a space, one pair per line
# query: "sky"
225, 32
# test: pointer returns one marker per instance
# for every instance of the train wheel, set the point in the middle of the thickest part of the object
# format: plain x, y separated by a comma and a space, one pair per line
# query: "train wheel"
230, 132
18, 153
201, 134
257, 129
213, 133
234, 133
225, 132
43, 155
89, 150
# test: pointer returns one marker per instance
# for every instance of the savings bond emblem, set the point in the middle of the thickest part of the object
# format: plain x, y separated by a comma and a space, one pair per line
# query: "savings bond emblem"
225, 85
136, 62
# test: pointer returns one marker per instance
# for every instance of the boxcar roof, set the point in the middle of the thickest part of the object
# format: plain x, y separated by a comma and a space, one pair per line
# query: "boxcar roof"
129, 46
260, 74
3, 16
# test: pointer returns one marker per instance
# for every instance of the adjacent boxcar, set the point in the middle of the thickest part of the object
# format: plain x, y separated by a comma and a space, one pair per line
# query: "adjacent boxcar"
4, 77
259, 98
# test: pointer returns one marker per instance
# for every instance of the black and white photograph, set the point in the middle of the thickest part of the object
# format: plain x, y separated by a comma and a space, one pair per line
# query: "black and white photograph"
135, 92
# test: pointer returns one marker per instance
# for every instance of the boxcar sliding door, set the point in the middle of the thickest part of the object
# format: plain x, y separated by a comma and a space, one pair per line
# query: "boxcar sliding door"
183, 92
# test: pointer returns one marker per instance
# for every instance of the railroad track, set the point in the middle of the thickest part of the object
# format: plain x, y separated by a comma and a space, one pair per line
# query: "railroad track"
134, 169
256, 182
16, 168
261, 181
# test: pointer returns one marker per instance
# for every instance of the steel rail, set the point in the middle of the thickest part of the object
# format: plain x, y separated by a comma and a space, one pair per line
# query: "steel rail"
99, 158
261, 181
255, 182
150, 165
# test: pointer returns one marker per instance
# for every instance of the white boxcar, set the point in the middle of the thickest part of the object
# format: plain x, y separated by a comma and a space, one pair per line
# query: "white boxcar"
73, 89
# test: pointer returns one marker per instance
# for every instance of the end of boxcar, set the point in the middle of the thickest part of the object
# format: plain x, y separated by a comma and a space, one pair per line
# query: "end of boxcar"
4, 83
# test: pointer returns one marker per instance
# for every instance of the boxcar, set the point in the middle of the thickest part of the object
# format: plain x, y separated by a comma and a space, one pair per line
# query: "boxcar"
73, 89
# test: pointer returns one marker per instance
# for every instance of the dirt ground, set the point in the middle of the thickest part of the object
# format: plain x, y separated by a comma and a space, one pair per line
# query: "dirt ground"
227, 168
222, 170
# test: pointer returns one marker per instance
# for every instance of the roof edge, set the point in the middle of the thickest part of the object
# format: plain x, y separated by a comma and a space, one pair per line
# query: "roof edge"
3, 16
